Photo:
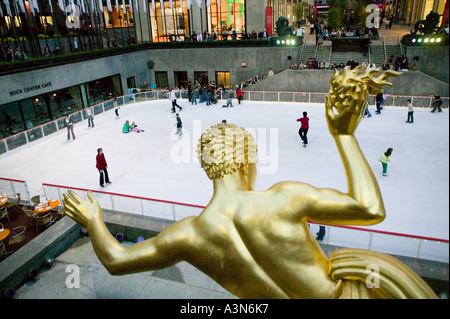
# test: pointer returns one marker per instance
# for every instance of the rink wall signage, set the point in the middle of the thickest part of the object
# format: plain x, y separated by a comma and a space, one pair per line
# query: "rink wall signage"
27, 89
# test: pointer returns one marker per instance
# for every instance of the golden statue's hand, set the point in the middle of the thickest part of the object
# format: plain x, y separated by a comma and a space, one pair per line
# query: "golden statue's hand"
350, 108
81, 210
349, 94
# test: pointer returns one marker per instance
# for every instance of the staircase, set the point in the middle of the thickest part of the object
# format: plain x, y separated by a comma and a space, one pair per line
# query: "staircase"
323, 54
393, 50
309, 51
377, 55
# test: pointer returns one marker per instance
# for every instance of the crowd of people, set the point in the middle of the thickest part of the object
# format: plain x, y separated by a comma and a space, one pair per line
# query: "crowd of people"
399, 63
225, 35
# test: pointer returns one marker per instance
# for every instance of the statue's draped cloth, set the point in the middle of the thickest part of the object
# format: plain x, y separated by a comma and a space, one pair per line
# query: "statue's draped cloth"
357, 269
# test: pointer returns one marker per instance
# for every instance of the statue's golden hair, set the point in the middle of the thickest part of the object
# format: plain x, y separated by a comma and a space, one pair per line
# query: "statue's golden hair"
224, 149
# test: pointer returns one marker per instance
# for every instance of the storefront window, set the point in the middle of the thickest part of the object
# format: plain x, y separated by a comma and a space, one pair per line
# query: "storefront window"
10, 119
169, 23
117, 18
229, 16
201, 77
162, 80
103, 89
223, 79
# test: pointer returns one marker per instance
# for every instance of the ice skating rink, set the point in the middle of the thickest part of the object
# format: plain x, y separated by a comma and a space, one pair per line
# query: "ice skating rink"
158, 164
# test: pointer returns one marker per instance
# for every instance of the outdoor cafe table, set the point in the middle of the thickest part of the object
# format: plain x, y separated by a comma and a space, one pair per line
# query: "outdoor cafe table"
3, 200
4, 233
47, 206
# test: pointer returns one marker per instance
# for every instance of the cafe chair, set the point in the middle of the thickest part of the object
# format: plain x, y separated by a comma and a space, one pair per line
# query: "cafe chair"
15, 202
3, 251
29, 212
43, 219
4, 213
17, 235
38, 199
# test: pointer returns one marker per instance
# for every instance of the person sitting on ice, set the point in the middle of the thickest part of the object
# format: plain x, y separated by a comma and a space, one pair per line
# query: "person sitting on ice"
229, 103
127, 127
135, 128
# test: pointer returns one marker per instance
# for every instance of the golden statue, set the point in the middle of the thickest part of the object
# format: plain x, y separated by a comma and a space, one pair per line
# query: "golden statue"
257, 244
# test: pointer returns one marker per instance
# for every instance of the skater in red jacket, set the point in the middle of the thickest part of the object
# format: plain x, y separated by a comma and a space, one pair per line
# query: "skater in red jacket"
102, 167
304, 128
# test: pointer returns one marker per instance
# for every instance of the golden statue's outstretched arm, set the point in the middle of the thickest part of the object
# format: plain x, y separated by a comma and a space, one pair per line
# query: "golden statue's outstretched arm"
164, 250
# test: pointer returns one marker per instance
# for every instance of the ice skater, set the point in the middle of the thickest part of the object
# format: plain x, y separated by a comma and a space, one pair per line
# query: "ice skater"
367, 112
410, 113
90, 114
229, 102
384, 159
69, 125
116, 108
321, 233
173, 98
437, 102
179, 125
102, 167
303, 131
379, 99
135, 128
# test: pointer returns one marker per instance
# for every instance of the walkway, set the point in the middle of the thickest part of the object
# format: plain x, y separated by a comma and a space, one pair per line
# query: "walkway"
391, 36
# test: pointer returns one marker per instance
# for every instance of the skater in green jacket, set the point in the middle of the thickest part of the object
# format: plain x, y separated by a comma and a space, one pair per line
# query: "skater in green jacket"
384, 159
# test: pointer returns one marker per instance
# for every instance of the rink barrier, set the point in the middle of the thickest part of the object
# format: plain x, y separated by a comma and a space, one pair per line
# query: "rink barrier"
168, 210
11, 187
137, 95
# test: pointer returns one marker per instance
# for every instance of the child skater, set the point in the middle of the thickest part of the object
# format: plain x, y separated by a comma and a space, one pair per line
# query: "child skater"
384, 159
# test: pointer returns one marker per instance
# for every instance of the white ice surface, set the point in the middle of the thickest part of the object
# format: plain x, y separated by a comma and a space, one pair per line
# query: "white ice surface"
158, 164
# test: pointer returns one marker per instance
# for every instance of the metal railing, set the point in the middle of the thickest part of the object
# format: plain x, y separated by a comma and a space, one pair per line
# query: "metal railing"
11, 187
138, 95
344, 236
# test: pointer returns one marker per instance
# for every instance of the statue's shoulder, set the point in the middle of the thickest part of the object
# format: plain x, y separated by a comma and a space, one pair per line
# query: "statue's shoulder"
289, 186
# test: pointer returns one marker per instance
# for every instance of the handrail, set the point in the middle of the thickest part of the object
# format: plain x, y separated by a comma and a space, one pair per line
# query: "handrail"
13, 183
301, 53
384, 48
315, 53
400, 44
203, 207
434, 252
123, 195
329, 56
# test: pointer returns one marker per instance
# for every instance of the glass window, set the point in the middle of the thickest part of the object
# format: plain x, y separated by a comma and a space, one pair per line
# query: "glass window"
169, 24
131, 82
103, 89
181, 79
161, 79
10, 119
201, 77
117, 19
229, 16
223, 79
